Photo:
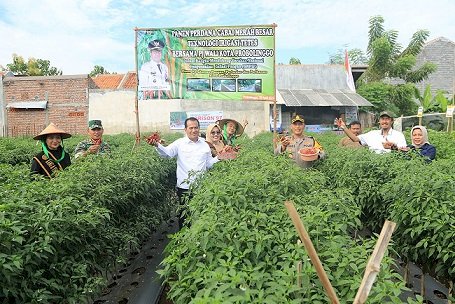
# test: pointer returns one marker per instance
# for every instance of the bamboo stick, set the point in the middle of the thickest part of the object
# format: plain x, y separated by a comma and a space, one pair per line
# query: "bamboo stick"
311, 252
406, 272
299, 269
275, 135
136, 105
422, 284
450, 292
374, 263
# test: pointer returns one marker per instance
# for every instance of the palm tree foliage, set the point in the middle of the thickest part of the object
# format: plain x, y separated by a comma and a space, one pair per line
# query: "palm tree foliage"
393, 67
388, 59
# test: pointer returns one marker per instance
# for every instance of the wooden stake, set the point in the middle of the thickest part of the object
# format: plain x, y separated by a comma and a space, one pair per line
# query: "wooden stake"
374, 263
299, 269
406, 272
299, 274
311, 252
450, 292
422, 284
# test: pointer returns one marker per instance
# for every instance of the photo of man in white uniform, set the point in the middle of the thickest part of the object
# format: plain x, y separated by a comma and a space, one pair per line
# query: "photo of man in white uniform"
154, 75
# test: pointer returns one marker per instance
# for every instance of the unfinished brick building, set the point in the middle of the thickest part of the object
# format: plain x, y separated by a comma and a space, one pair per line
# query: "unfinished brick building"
33, 102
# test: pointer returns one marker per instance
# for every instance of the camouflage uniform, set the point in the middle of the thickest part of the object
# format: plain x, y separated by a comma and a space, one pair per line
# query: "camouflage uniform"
83, 146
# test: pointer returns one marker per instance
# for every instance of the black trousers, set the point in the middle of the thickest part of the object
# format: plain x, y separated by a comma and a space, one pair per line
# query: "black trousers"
184, 196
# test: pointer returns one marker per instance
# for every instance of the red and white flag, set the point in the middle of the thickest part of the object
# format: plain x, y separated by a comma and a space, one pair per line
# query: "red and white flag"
347, 68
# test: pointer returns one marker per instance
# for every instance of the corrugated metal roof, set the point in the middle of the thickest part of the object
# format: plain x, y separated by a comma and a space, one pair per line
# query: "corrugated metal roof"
322, 98
41, 104
316, 85
311, 76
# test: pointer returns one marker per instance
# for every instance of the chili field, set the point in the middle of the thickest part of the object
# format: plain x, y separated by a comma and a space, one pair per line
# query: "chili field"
241, 246
59, 237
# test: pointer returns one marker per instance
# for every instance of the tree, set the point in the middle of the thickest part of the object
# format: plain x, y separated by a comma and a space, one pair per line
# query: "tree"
356, 56
97, 69
294, 61
388, 63
18, 67
387, 60
46, 69
33, 67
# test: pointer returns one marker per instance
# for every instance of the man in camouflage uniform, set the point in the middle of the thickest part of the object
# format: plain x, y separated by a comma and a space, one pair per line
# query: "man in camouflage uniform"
94, 145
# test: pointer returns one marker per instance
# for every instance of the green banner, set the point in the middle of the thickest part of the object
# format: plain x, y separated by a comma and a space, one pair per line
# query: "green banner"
231, 62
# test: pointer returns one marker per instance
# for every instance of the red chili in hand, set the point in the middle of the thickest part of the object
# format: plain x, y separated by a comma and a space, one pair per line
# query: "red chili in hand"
154, 136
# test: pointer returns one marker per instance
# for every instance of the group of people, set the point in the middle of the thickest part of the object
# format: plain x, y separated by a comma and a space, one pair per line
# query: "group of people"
387, 139
195, 154
53, 157
223, 134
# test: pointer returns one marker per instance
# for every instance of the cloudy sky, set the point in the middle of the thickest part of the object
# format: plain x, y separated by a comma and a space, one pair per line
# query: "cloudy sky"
76, 35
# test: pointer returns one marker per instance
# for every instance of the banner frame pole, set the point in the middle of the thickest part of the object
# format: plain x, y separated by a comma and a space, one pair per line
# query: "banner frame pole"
136, 103
275, 135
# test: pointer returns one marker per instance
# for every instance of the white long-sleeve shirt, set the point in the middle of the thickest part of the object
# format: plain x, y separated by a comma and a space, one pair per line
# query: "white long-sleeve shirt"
375, 138
191, 156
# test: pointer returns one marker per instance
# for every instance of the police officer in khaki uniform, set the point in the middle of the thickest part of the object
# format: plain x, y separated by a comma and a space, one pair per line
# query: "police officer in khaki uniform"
290, 145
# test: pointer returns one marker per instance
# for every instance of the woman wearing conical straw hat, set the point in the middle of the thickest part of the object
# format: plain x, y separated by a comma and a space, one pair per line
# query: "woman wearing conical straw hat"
53, 158
231, 129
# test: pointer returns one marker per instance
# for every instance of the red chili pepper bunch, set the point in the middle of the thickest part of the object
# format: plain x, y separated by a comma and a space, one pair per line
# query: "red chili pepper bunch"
308, 151
229, 152
154, 136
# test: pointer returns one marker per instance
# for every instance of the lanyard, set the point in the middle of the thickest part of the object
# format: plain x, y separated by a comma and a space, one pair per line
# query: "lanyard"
46, 152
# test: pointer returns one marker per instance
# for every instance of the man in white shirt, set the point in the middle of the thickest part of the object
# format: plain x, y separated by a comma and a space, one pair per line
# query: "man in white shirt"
379, 141
193, 157
154, 75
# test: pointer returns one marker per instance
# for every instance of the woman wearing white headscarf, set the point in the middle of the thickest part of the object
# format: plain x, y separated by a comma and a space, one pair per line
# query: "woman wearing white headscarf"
421, 144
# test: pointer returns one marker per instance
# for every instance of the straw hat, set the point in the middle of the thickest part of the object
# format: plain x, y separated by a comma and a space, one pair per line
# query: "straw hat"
52, 129
238, 128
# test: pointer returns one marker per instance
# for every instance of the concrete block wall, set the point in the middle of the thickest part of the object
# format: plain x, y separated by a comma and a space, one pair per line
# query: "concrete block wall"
116, 108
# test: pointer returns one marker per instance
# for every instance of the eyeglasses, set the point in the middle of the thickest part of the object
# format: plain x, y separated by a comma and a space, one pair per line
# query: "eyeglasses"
215, 132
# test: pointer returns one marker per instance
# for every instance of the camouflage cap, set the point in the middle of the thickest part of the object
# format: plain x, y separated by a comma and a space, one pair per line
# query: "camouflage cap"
95, 123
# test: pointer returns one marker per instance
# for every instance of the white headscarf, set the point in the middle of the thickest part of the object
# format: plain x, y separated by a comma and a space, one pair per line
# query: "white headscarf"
424, 133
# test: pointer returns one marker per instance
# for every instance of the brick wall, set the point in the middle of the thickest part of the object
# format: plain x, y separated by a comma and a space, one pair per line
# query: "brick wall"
67, 103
